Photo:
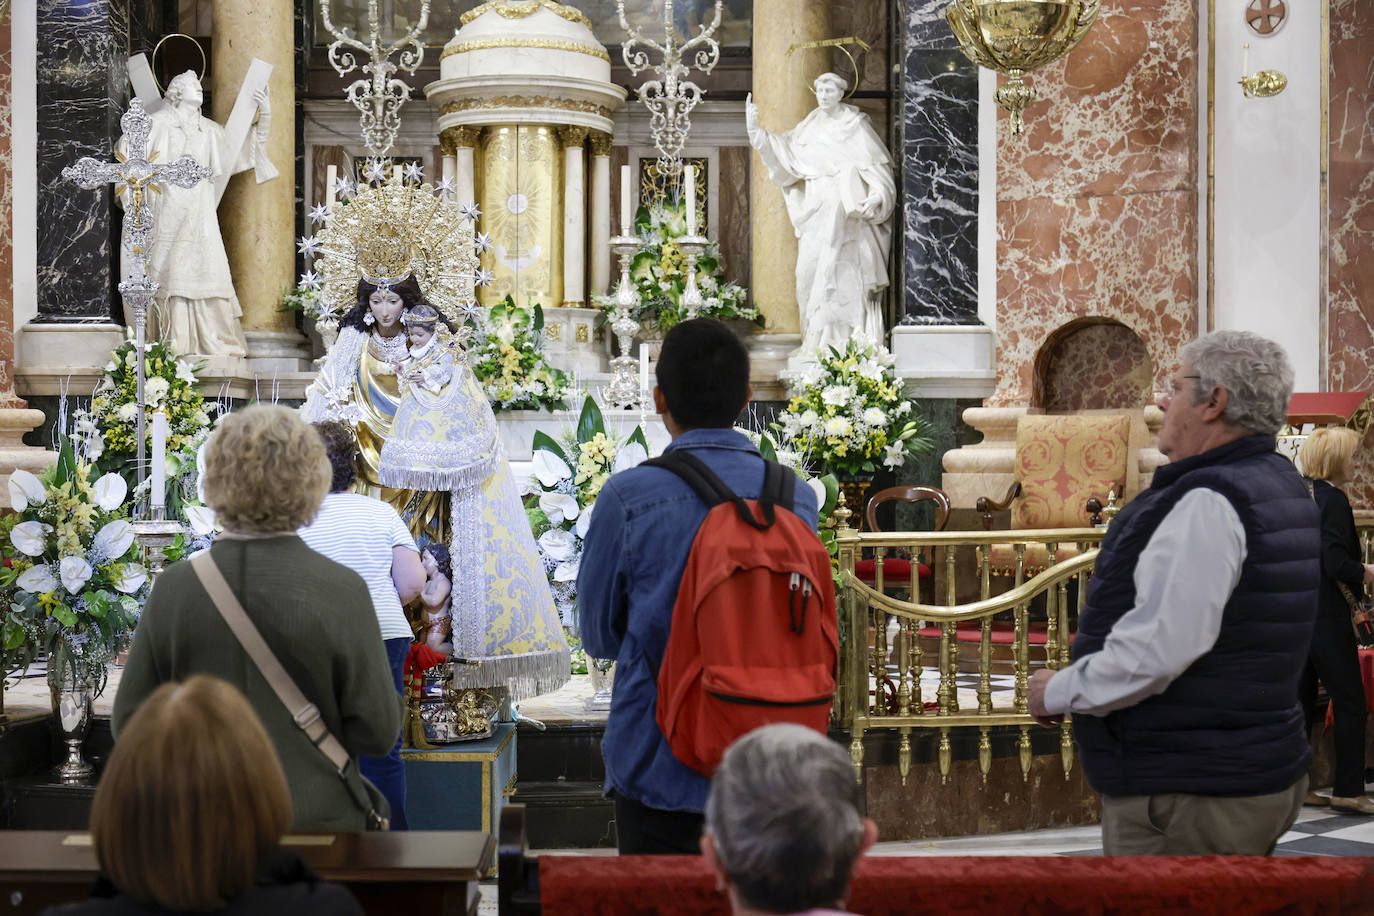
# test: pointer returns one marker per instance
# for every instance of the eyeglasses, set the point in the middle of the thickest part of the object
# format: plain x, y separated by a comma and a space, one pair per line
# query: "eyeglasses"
1174, 387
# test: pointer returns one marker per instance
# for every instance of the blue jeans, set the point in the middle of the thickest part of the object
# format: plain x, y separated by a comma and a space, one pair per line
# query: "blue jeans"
389, 773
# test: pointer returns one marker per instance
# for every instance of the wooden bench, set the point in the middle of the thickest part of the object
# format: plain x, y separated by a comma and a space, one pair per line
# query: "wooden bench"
431, 872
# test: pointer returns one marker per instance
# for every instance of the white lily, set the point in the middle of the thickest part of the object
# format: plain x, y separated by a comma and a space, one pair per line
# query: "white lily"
201, 520
110, 491
558, 545
26, 490
549, 468
131, 578
113, 540
76, 572
37, 580
631, 455
558, 507
30, 538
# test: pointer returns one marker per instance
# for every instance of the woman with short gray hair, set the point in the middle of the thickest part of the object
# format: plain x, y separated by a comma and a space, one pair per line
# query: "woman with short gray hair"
783, 822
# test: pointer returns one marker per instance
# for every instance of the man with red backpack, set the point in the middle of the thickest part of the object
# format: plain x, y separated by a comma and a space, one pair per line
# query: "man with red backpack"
752, 614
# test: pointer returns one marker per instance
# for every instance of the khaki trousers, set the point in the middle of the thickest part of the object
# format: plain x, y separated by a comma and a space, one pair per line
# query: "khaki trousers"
1175, 824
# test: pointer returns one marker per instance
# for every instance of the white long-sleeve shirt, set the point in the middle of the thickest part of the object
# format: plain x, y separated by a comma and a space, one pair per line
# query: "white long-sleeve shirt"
1183, 579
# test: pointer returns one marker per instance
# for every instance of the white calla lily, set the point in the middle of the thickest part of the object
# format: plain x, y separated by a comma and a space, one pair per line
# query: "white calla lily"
201, 519
558, 507
566, 572
131, 578
584, 521
110, 491
114, 540
549, 468
30, 538
26, 490
76, 572
631, 455
558, 545
37, 580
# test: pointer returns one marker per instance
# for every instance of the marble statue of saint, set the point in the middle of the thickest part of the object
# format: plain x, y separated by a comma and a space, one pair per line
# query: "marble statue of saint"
836, 178
196, 309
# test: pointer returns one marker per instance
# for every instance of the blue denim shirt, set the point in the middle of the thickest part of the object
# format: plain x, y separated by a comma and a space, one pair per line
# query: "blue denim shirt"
632, 561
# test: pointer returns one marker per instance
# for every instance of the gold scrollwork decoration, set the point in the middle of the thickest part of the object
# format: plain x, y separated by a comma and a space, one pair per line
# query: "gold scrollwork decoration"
527, 101
601, 143
573, 136
550, 44
508, 10
583, 333
553, 331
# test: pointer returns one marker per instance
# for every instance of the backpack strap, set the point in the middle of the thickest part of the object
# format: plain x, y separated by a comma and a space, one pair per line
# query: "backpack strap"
779, 486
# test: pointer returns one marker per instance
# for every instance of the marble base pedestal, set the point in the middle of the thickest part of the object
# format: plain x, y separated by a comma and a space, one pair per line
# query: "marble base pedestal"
61, 346
15, 422
277, 351
769, 356
946, 361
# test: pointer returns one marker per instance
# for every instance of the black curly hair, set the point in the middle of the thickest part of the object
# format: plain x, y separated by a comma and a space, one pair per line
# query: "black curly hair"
441, 557
408, 289
342, 448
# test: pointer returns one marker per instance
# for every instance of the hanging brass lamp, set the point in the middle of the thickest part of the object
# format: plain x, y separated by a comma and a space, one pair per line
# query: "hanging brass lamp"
1014, 36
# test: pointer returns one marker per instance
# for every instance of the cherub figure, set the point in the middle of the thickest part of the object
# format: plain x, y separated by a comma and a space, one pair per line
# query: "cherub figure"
430, 362
436, 615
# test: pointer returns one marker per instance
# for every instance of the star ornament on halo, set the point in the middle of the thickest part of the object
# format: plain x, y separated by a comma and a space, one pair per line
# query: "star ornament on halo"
482, 242
469, 211
319, 214
343, 187
308, 246
414, 172
482, 278
310, 280
444, 188
376, 170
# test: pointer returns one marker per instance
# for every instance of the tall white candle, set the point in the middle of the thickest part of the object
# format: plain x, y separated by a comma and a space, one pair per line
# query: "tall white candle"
643, 367
159, 459
689, 177
331, 175
626, 214
396, 174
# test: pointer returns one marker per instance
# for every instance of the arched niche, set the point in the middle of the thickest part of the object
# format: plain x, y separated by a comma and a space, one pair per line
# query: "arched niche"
1092, 363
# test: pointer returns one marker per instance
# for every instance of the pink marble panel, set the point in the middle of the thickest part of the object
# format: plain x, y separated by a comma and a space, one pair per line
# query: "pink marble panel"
7, 396
1097, 200
1350, 218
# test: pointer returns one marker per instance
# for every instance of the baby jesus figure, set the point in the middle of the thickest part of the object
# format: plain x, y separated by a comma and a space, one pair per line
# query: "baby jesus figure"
430, 363
436, 616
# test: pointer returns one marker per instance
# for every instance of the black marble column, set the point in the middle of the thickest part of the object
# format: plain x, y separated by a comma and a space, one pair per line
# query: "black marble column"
939, 171
83, 89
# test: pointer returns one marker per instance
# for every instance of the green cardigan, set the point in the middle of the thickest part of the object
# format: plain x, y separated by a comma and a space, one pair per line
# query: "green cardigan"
317, 617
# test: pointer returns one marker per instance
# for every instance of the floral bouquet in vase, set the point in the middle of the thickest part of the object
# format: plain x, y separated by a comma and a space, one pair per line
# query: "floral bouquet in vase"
72, 582
849, 414
509, 362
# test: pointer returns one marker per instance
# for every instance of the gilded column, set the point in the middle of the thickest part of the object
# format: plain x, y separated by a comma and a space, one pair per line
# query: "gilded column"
448, 164
783, 94
258, 220
462, 141
574, 216
600, 255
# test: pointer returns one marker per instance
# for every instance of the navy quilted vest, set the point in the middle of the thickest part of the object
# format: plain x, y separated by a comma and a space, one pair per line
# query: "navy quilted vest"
1230, 725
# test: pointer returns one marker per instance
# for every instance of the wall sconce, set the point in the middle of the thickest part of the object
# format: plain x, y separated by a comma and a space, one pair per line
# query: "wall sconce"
1262, 84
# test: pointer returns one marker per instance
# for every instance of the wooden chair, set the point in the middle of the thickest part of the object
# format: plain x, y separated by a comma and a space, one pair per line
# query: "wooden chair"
897, 570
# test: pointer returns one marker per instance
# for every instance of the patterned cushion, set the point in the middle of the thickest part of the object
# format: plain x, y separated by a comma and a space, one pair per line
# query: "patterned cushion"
1061, 461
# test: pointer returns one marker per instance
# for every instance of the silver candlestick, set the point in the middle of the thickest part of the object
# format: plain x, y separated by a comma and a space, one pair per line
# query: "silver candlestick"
623, 389
691, 247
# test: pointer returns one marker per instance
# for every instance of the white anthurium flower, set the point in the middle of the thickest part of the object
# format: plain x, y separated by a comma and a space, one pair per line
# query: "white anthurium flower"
201, 519
818, 487
584, 522
558, 507
549, 468
37, 580
558, 545
114, 540
76, 572
30, 538
26, 490
110, 491
630, 456
566, 572
131, 578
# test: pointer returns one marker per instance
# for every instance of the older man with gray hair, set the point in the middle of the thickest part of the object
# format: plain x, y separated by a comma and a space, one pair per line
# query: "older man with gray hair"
783, 823
1194, 631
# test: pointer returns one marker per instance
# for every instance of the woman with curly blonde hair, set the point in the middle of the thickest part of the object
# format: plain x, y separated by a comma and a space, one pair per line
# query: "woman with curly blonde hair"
266, 474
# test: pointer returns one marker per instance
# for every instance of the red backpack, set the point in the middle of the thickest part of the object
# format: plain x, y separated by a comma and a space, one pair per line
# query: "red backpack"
754, 637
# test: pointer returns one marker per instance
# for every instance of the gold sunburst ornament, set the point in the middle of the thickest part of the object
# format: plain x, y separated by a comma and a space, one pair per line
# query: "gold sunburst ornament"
388, 228
1016, 36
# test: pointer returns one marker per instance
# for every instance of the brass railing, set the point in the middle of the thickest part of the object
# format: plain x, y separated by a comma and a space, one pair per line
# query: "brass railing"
962, 565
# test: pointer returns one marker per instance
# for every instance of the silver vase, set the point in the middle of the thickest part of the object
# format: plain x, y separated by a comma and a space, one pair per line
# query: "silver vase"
72, 698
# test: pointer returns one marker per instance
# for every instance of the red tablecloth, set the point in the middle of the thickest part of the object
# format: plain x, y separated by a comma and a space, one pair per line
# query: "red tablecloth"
1366, 678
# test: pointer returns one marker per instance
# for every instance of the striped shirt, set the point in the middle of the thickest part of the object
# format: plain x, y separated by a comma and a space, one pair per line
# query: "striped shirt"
359, 532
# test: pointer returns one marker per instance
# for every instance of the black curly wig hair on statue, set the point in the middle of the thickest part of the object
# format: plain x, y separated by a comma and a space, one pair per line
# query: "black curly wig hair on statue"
408, 289
441, 557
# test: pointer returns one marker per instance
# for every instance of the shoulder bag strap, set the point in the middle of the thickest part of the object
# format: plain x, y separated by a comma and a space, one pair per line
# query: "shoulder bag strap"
304, 713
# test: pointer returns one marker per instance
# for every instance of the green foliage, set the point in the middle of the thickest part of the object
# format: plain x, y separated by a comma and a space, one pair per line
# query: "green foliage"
508, 361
